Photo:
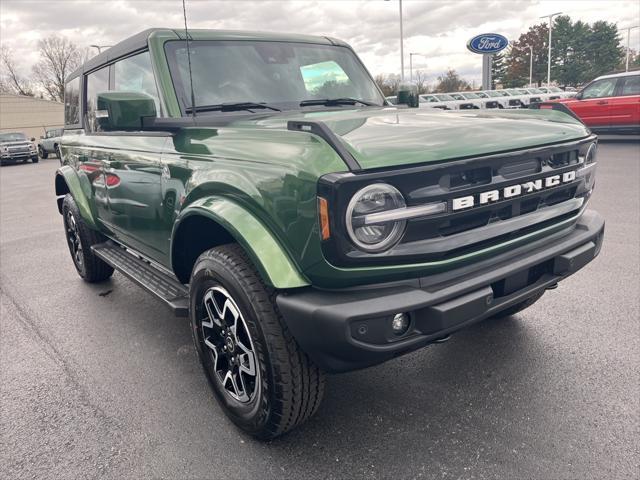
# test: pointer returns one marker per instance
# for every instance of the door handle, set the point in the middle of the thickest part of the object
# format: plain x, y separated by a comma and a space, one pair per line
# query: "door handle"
602, 102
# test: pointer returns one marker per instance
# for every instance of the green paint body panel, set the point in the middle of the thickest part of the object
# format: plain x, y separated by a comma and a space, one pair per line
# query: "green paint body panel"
275, 266
259, 180
80, 188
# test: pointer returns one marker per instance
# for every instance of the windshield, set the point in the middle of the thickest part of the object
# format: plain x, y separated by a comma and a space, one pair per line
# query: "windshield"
445, 98
555, 89
471, 95
280, 74
535, 90
12, 137
491, 93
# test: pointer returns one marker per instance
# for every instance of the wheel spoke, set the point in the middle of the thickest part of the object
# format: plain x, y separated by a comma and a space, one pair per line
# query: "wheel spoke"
214, 316
214, 351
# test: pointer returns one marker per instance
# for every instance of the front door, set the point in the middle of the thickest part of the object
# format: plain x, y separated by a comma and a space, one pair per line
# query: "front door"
593, 106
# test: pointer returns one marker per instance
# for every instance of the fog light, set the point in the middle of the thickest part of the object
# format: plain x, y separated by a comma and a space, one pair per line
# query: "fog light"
400, 323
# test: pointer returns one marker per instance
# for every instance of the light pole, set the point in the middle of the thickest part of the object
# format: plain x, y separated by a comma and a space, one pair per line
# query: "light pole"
628, 29
550, 17
401, 42
100, 47
530, 64
411, 64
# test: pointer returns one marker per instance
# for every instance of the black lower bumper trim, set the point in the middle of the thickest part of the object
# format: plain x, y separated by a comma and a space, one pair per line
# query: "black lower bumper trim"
351, 329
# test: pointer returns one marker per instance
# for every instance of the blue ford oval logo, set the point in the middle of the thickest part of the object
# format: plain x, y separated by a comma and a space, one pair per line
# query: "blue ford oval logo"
487, 43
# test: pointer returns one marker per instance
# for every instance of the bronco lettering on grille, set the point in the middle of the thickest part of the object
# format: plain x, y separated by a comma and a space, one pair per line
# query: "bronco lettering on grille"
511, 191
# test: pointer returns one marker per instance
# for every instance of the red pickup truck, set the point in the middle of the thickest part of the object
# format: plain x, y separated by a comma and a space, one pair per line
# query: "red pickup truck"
609, 104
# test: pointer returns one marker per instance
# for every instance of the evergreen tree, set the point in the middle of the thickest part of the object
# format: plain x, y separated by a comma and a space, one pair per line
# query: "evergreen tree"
498, 69
580, 52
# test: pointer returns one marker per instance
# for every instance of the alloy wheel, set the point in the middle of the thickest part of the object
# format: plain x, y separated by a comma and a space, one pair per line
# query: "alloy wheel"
229, 345
73, 238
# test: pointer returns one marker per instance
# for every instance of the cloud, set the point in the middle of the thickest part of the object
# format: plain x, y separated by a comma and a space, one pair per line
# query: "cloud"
437, 30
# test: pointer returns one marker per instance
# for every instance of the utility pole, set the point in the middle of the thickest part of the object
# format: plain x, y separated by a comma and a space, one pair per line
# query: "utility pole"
530, 65
550, 17
628, 29
401, 43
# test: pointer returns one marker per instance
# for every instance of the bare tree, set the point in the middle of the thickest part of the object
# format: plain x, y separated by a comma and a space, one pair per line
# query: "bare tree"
10, 80
381, 80
388, 83
421, 82
451, 82
58, 58
393, 83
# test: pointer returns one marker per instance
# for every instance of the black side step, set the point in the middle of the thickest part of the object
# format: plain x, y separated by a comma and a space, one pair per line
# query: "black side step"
163, 285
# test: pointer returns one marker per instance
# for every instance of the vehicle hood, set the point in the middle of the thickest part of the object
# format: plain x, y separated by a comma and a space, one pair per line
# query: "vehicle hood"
388, 137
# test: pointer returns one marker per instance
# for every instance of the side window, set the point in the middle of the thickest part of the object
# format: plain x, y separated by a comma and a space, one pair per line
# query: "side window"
135, 74
630, 85
72, 102
599, 89
97, 82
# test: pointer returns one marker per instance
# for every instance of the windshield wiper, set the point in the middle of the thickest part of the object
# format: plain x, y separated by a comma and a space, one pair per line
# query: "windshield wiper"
336, 101
230, 107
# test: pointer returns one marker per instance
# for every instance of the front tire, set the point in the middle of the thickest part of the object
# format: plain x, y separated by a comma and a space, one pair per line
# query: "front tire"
265, 384
41, 152
80, 238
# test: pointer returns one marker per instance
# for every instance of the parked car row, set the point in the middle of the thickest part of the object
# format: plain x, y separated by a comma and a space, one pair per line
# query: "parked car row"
507, 98
608, 104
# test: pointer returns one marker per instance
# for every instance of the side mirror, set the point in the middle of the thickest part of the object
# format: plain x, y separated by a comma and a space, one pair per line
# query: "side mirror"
578, 95
33, 139
408, 95
123, 110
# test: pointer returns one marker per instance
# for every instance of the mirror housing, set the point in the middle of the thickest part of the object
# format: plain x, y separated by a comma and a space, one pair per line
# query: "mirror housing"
408, 95
123, 110
578, 95
33, 139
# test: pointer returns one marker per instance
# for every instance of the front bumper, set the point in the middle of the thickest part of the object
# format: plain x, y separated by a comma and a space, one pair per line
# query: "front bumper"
350, 329
18, 156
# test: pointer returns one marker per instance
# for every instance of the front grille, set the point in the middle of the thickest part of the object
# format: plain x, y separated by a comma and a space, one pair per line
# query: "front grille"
465, 230
19, 149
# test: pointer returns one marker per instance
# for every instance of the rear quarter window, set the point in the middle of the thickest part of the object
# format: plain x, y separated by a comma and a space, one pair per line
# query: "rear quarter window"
630, 85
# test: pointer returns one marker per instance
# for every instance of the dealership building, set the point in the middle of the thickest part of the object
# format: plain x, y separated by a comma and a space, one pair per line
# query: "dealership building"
29, 115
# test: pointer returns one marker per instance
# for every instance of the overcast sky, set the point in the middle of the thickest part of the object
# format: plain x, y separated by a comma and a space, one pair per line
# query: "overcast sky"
437, 29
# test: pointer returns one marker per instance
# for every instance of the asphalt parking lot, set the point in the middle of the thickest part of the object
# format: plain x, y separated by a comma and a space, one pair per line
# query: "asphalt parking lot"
102, 381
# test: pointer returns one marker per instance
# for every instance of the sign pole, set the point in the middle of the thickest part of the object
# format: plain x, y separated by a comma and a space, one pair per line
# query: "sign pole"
487, 44
486, 71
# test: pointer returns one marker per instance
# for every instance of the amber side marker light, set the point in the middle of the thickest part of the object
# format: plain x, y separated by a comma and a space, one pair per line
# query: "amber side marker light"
323, 211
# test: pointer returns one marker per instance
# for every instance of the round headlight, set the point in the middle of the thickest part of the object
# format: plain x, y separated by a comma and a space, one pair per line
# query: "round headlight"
368, 233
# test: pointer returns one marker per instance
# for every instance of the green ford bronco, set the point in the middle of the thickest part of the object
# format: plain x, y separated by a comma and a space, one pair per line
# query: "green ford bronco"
261, 185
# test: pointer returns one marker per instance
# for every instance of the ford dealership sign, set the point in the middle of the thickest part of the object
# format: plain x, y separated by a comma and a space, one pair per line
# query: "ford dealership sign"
487, 43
